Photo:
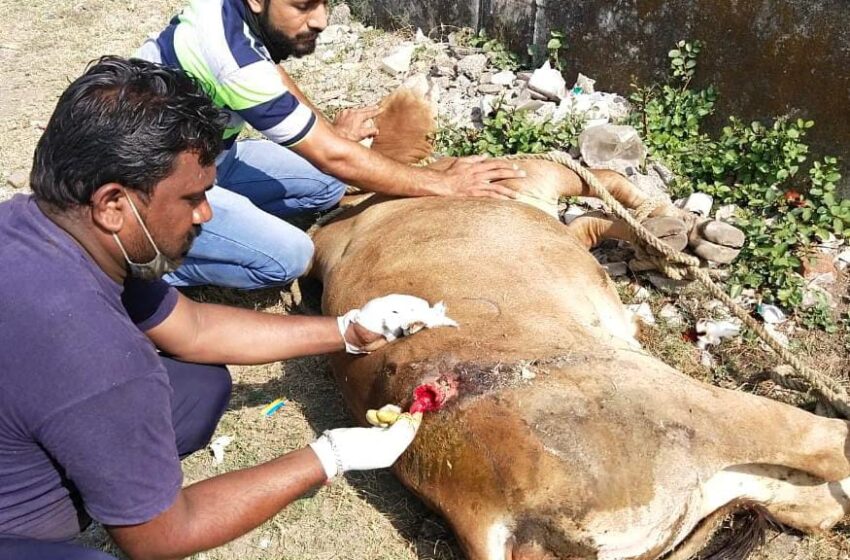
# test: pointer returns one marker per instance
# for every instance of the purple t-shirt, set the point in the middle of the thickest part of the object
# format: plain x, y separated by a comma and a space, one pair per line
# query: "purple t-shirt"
85, 402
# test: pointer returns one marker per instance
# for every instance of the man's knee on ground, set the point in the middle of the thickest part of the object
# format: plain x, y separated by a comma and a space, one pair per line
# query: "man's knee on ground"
330, 196
211, 390
291, 261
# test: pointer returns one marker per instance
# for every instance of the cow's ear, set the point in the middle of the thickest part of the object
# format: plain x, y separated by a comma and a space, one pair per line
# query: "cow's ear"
405, 127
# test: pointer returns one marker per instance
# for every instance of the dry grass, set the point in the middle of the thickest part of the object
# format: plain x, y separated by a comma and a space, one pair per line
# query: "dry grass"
45, 44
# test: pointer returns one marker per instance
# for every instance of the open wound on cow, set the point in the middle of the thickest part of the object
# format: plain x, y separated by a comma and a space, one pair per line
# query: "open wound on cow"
430, 397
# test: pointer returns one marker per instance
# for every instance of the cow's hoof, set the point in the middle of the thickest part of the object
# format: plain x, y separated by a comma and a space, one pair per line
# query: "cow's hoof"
716, 241
672, 231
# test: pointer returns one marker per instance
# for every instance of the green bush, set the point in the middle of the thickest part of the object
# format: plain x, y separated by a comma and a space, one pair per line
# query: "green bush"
507, 132
785, 203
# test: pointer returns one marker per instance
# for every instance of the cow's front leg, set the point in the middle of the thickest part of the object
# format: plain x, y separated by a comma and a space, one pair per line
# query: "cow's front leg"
595, 227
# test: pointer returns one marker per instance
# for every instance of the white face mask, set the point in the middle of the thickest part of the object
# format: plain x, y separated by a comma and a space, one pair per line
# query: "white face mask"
155, 268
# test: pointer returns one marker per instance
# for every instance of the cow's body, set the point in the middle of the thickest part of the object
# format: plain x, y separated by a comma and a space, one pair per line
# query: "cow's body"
565, 439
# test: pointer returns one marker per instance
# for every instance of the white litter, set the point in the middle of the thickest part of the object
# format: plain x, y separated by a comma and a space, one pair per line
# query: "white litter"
218, 446
772, 315
549, 82
670, 314
594, 109
643, 312
611, 146
584, 84
399, 61
714, 332
527, 374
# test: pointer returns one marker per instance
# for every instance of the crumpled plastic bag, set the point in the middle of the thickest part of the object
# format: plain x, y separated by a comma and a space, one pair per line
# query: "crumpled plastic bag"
610, 146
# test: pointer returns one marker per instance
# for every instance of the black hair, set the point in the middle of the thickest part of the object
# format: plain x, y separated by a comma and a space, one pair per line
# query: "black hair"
123, 121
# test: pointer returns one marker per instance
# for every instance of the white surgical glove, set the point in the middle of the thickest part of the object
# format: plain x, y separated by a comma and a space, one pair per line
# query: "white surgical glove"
394, 316
361, 449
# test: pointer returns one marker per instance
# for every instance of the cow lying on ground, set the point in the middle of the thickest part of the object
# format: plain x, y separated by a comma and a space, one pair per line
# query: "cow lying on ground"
559, 436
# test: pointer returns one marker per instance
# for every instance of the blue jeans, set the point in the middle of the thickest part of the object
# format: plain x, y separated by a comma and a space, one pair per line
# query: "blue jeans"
247, 244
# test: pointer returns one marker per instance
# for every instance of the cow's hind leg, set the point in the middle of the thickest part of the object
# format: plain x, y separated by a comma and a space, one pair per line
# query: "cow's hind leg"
791, 497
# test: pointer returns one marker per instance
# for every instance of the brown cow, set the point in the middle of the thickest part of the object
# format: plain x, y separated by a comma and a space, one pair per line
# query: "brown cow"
562, 437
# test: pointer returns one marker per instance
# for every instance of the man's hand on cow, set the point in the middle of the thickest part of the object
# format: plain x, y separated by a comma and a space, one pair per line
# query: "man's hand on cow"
382, 320
360, 449
479, 176
357, 124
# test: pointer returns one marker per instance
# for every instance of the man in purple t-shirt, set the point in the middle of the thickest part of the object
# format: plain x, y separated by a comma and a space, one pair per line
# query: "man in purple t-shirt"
109, 375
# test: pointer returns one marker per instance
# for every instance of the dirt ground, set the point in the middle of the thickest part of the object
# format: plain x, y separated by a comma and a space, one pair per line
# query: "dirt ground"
45, 44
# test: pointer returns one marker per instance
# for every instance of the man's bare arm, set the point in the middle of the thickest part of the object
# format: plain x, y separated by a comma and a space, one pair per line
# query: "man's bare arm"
218, 334
357, 165
217, 510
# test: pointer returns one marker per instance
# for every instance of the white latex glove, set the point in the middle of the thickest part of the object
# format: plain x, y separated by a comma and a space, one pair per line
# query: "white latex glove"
394, 316
361, 449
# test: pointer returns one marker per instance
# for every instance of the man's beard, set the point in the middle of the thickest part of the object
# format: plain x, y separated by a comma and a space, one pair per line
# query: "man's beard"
279, 45
190, 239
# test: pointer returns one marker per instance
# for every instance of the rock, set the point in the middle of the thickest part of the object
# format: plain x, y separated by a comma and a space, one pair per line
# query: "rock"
486, 78
666, 285
639, 292
421, 38
585, 84
524, 75
842, 261
642, 312
616, 269
485, 105
663, 172
649, 184
504, 78
18, 179
341, 15
443, 71
670, 314
572, 213
461, 51
489, 89
549, 82
726, 213
472, 65
334, 34
816, 295
418, 83
698, 203
399, 61
817, 265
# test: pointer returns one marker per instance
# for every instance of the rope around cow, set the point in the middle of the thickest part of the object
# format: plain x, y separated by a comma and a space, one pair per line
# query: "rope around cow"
677, 264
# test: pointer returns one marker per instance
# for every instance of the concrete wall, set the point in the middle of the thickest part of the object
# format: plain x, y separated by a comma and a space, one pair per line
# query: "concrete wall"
767, 57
